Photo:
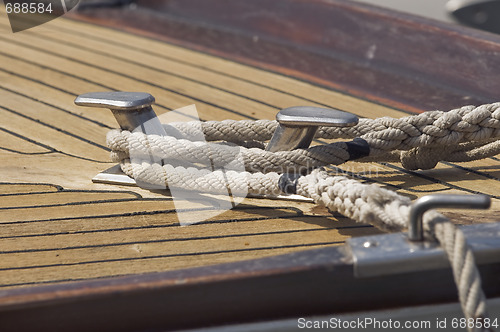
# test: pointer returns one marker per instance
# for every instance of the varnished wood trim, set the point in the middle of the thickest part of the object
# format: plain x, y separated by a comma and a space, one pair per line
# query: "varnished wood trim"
314, 282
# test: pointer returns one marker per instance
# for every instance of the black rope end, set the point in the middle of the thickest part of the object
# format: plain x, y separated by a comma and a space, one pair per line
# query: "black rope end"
358, 148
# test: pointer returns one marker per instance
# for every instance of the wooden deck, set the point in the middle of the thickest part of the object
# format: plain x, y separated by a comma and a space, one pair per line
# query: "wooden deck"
57, 226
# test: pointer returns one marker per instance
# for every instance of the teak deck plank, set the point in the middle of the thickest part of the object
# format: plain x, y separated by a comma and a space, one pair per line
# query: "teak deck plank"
62, 198
17, 83
158, 220
25, 188
199, 71
146, 234
224, 68
49, 135
91, 133
22, 145
67, 228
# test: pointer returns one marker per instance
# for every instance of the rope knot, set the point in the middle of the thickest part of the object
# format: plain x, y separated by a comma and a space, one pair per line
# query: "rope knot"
422, 157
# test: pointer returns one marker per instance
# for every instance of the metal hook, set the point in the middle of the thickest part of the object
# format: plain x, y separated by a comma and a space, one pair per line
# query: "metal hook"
421, 205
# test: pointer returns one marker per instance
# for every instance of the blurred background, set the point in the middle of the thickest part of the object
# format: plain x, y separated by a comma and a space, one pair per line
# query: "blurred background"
479, 14
435, 9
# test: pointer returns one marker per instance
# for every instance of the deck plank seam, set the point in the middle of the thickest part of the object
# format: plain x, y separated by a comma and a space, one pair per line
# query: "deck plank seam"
225, 74
201, 238
105, 148
174, 255
137, 80
432, 179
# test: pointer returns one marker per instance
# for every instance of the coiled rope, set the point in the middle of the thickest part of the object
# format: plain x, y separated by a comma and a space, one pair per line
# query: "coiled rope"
419, 142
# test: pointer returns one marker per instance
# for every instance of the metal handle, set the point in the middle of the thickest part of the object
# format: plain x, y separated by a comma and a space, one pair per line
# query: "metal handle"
132, 110
298, 125
421, 205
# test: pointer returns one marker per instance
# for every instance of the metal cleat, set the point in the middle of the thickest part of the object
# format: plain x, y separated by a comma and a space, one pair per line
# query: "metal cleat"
133, 112
298, 125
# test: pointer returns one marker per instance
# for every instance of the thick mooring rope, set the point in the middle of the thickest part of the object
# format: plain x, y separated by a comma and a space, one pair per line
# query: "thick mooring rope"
468, 123
418, 141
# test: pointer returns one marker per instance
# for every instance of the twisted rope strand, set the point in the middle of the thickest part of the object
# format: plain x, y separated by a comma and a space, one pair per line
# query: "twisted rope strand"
468, 123
419, 138
137, 145
204, 180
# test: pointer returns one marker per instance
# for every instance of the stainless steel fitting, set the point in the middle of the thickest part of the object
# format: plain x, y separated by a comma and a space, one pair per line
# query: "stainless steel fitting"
298, 125
132, 110
421, 205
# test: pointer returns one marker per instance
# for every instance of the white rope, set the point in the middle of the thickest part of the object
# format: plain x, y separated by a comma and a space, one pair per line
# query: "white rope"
419, 141
204, 180
424, 136
122, 143
465, 272
468, 123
